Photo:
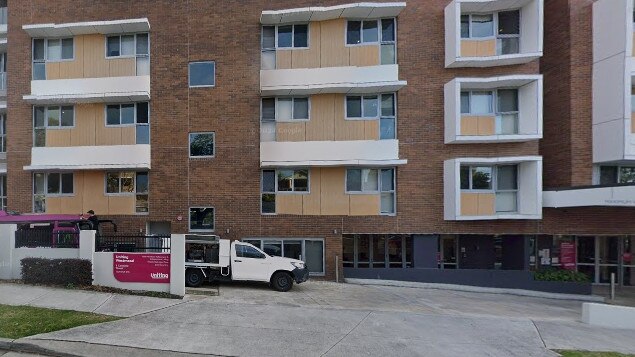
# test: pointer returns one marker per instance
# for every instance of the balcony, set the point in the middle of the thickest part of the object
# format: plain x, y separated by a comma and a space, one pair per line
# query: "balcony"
86, 28
383, 153
90, 90
352, 80
114, 157
613, 72
591, 196
493, 188
495, 109
360, 10
471, 39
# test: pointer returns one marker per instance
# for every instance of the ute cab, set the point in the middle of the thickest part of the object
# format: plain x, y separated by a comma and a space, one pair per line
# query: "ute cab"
210, 258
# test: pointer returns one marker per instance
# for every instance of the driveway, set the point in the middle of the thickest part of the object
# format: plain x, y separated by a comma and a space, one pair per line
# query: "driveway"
328, 319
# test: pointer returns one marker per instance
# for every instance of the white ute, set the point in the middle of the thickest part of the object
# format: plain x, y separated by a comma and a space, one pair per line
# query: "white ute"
210, 258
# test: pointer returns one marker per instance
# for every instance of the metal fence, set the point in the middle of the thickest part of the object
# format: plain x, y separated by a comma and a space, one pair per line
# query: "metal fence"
129, 243
37, 238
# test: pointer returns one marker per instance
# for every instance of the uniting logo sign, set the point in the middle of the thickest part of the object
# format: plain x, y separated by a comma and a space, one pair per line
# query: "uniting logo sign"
141, 267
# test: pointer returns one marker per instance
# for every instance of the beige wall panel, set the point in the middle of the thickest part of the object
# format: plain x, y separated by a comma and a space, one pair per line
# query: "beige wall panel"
289, 204
128, 135
350, 129
311, 202
486, 204
309, 58
72, 204
72, 69
122, 67
469, 125
371, 129
121, 204
469, 204
53, 205
94, 192
52, 70
364, 55
364, 205
320, 127
283, 59
334, 201
487, 48
107, 135
290, 131
469, 48
85, 122
487, 125
58, 137
334, 53
95, 63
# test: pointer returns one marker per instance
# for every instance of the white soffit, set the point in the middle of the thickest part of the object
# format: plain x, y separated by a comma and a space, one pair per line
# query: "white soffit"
469, 6
361, 10
497, 82
90, 157
86, 28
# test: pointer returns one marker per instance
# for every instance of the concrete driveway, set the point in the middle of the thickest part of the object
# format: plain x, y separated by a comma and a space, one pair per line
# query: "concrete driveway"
328, 319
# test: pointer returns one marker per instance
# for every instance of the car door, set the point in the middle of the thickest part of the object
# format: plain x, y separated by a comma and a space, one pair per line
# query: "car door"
250, 263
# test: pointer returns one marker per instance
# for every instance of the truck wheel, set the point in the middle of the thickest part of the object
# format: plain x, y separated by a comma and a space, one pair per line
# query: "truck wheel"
282, 281
193, 278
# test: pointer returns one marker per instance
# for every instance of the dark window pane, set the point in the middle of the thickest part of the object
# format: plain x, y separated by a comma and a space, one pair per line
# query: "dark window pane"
482, 25
388, 105
627, 174
353, 32
285, 178
202, 74
143, 134
67, 116
507, 177
143, 47
251, 252
113, 46
268, 181
53, 181
143, 113
300, 36
395, 253
387, 128
353, 180
112, 115
38, 121
142, 182
301, 181
465, 26
67, 183
285, 36
268, 109
201, 144
39, 71
353, 107
67, 48
379, 251
388, 30
387, 180
53, 116
509, 46
369, 31
465, 177
202, 218
301, 108
509, 22
507, 100
608, 175
268, 203
38, 50
127, 181
127, 113
268, 37
314, 251
348, 251
465, 102
112, 182
482, 178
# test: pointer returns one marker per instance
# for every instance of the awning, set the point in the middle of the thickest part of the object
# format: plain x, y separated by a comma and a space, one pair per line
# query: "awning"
89, 27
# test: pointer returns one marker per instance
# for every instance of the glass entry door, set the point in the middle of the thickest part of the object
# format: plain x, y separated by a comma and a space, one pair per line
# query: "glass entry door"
628, 261
608, 253
448, 252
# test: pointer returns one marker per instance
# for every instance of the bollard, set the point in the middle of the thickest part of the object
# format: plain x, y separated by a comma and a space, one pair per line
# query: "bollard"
337, 269
612, 286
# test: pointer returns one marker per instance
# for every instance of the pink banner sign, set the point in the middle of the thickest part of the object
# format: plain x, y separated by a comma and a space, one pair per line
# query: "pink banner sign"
141, 267
567, 255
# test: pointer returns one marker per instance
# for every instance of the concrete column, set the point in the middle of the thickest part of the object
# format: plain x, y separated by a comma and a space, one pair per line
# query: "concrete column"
7, 245
86, 245
424, 251
177, 264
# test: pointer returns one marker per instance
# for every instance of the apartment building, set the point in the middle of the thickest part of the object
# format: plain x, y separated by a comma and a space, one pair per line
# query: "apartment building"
403, 140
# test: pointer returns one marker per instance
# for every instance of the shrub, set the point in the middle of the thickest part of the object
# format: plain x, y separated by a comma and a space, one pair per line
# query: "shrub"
561, 275
64, 272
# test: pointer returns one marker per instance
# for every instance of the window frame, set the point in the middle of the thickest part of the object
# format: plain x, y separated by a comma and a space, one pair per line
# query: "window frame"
189, 219
362, 96
3, 133
46, 46
189, 75
470, 179
292, 47
189, 149
46, 184
277, 192
263, 240
495, 23
361, 32
379, 190
618, 174
134, 183
495, 107
46, 122
134, 123
135, 55
293, 99
3, 192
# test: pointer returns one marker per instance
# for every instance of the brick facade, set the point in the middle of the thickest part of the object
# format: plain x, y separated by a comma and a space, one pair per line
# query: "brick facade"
184, 31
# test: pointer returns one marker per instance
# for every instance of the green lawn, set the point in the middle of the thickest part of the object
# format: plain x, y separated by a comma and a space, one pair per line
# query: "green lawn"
592, 354
21, 321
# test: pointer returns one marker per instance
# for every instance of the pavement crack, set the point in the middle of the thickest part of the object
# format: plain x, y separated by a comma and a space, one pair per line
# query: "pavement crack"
102, 304
159, 309
348, 333
539, 334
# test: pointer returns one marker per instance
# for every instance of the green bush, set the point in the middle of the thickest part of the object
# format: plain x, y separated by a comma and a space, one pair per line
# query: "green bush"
63, 272
561, 275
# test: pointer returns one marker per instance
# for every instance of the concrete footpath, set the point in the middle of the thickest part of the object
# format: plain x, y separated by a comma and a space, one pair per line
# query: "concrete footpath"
328, 319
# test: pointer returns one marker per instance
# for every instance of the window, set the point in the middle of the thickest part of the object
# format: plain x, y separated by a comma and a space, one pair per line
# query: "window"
53, 117
130, 183
202, 74
142, 204
311, 251
476, 177
291, 36
245, 251
3, 133
362, 106
377, 251
281, 181
3, 192
201, 219
137, 114
373, 181
506, 23
380, 31
50, 184
202, 144
284, 109
610, 175
50, 50
120, 182
133, 45
388, 120
502, 103
501, 180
